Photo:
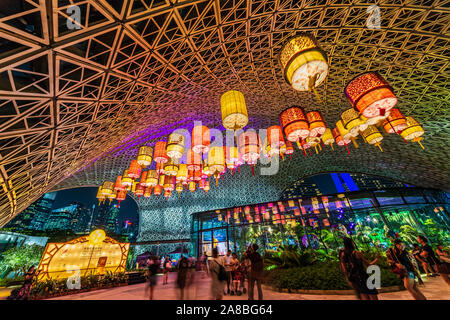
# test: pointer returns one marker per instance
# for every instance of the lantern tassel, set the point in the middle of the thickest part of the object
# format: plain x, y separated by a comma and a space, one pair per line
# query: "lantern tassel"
347, 149
354, 143
290, 155
253, 170
217, 180
315, 147
379, 146
332, 147
317, 94
309, 150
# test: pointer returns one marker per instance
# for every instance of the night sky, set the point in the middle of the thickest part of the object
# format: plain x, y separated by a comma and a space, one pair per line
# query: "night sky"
87, 196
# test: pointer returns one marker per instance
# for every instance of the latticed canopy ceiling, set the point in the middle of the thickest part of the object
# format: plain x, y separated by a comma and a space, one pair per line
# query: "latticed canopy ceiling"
76, 104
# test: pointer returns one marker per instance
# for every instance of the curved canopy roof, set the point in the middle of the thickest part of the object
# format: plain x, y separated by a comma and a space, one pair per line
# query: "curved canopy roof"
75, 104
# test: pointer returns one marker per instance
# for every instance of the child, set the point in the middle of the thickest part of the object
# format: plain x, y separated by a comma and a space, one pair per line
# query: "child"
238, 279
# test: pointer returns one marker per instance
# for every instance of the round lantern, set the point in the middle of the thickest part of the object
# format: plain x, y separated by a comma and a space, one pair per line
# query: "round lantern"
370, 94
175, 145
193, 160
303, 62
249, 146
118, 185
144, 157
317, 125
152, 178
200, 139
395, 122
160, 152
157, 190
413, 131
171, 167
107, 188
275, 139
234, 110
372, 136
134, 171
352, 122
182, 173
216, 161
126, 180
327, 138
179, 187
294, 123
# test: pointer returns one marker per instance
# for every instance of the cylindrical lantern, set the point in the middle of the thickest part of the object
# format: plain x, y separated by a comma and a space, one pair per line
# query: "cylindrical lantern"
370, 94
182, 173
413, 131
194, 176
144, 178
200, 139
152, 178
171, 167
338, 138
231, 157
160, 168
395, 122
303, 62
343, 132
107, 188
126, 180
317, 125
294, 123
147, 192
139, 190
289, 148
193, 160
234, 110
168, 183
144, 157
179, 187
192, 186
157, 190
175, 145
207, 187
351, 121
161, 180
121, 195
216, 161
327, 138
160, 152
118, 185
134, 171
201, 184
249, 146
275, 139
372, 136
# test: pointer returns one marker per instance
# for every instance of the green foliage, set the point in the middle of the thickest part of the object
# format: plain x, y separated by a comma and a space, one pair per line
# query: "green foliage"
20, 259
291, 257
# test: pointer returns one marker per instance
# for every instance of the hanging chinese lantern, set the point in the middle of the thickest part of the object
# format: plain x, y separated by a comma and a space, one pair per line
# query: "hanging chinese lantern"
133, 187
157, 190
413, 131
160, 168
171, 167
395, 122
294, 123
139, 190
314, 142
118, 185
289, 148
193, 161
249, 147
373, 136
107, 188
179, 187
317, 125
200, 139
216, 161
126, 180
275, 139
206, 171
134, 171
144, 178
339, 139
147, 192
303, 62
160, 152
182, 173
352, 122
192, 186
175, 145
346, 134
370, 94
121, 195
202, 184
144, 157
100, 196
231, 157
194, 176
168, 183
167, 194
234, 110
207, 187
152, 178
327, 138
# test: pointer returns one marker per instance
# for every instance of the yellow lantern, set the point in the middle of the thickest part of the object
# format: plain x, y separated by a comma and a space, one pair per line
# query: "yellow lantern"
314, 142
216, 161
182, 173
111, 196
234, 110
107, 188
206, 187
179, 187
303, 62
144, 157
373, 136
343, 132
352, 122
127, 182
413, 131
192, 186
100, 195
152, 178
161, 180
231, 157
171, 167
97, 237
327, 138
175, 145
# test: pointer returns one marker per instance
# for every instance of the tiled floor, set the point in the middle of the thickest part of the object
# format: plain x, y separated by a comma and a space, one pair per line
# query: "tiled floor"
434, 289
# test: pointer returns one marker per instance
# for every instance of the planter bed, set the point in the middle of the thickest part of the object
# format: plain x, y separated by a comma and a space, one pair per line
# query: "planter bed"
332, 292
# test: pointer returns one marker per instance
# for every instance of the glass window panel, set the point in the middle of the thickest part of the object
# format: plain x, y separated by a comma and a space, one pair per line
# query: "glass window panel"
206, 236
220, 235
206, 223
413, 196
388, 197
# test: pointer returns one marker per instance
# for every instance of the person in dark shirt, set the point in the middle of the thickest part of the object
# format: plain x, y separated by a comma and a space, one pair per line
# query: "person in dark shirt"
428, 254
152, 270
183, 269
256, 271
422, 261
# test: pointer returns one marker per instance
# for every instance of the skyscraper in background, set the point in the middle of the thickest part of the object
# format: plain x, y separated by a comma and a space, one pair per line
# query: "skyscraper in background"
112, 223
61, 218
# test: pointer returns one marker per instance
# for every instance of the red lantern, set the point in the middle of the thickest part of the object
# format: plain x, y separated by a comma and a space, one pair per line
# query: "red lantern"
370, 94
134, 171
157, 190
144, 179
317, 125
118, 185
200, 139
294, 123
160, 152
289, 148
249, 146
275, 138
338, 138
121, 195
160, 168
395, 122
193, 160
139, 190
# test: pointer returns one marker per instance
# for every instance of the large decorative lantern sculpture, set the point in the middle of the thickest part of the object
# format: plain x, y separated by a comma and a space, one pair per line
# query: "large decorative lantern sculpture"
327, 138
107, 188
370, 94
317, 125
413, 131
303, 62
373, 136
395, 122
160, 152
171, 167
249, 147
200, 139
193, 160
144, 157
134, 170
127, 182
118, 185
294, 123
234, 110
275, 140
175, 146
216, 161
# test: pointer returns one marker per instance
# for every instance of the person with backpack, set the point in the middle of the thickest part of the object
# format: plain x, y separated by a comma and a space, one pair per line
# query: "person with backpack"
256, 272
218, 275
351, 263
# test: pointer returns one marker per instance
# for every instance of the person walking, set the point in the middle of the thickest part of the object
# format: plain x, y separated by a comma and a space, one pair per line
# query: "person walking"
153, 267
203, 262
24, 292
417, 250
401, 265
428, 254
256, 272
226, 262
166, 269
183, 269
352, 263
444, 266
215, 266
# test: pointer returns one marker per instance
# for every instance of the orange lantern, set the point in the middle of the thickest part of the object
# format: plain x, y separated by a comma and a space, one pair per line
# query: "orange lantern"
338, 138
160, 152
168, 183
126, 180
157, 190
294, 123
317, 125
395, 122
194, 176
249, 147
167, 194
202, 184
139, 190
200, 139
160, 168
121, 195
194, 160
370, 94
144, 178
134, 171
147, 192
118, 185
275, 138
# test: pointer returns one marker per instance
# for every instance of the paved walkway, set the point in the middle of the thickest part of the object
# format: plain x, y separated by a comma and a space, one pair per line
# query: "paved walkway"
434, 289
